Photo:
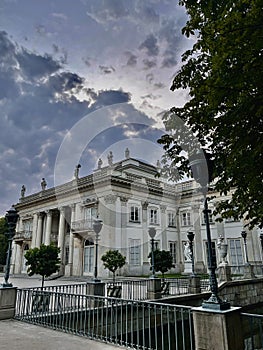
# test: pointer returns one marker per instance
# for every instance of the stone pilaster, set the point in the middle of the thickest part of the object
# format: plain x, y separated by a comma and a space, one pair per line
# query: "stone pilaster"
197, 245
61, 234
68, 268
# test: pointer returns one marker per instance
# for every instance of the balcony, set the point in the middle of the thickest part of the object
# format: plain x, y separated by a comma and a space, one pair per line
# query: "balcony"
23, 236
82, 225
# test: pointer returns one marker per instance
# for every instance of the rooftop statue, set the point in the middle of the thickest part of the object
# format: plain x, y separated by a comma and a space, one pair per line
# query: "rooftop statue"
43, 184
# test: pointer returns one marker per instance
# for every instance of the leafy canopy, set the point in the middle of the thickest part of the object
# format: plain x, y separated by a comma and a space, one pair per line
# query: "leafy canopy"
223, 75
43, 261
113, 260
163, 260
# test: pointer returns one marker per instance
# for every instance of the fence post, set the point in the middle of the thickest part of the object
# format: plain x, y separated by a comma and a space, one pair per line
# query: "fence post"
7, 302
217, 330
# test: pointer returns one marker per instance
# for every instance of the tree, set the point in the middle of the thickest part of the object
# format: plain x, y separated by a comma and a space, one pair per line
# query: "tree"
113, 260
223, 74
163, 260
43, 261
3, 241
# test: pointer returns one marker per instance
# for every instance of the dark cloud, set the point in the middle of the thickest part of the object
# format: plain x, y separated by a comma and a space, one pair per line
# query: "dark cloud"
132, 59
106, 70
39, 103
35, 66
148, 64
150, 45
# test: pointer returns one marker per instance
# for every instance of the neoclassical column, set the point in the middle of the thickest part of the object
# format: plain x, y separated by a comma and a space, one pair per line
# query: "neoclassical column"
39, 229
48, 226
34, 230
61, 233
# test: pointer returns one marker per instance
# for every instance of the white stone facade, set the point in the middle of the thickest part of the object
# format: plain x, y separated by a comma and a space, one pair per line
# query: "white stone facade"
129, 198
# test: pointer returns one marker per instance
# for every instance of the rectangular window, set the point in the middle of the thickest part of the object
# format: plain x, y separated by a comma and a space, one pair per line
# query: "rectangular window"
210, 216
171, 219
153, 216
28, 228
134, 214
135, 252
90, 213
235, 250
213, 253
172, 249
186, 219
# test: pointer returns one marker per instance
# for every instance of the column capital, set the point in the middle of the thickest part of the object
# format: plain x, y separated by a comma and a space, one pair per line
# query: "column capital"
48, 212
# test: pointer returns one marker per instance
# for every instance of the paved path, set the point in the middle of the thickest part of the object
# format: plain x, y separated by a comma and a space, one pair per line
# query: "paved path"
16, 335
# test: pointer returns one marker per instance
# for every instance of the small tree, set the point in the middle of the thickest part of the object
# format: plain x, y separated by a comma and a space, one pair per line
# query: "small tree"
43, 261
113, 260
163, 260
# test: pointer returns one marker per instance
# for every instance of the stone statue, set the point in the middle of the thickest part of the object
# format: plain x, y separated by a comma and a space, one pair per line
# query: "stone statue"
76, 172
127, 153
187, 252
43, 184
99, 163
110, 158
158, 165
23, 191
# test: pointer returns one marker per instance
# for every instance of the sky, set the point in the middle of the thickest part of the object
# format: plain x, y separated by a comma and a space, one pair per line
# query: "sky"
101, 69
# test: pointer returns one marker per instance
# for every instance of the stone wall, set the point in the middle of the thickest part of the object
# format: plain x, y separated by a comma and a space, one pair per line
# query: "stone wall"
242, 292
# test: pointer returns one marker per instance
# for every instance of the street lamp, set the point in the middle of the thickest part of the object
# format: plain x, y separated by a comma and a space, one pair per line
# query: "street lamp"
190, 236
97, 226
201, 167
261, 240
11, 218
152, 233
244, 236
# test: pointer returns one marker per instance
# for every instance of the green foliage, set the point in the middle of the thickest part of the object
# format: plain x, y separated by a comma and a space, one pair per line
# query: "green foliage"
223, 74
163, 260
43, 261
3, 241
113, 260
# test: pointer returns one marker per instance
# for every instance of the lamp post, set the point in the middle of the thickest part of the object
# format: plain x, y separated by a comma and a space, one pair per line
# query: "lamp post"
244, 236
97, 226
201, 168
152, 233
190, 236
261, 240
11, 218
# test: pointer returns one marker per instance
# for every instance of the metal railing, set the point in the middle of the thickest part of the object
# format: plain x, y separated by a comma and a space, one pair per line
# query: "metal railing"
252, 331
130, 289
135, 324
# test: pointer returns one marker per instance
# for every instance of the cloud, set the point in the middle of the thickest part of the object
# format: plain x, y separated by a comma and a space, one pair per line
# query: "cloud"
106, 70
132, 59
150, 46
148, 64
104, 11
39, 103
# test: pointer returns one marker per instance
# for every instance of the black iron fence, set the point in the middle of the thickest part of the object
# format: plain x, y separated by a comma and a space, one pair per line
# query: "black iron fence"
252, 331
129, 323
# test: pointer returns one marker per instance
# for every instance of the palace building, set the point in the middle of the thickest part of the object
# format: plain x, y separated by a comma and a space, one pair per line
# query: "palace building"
129, 199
